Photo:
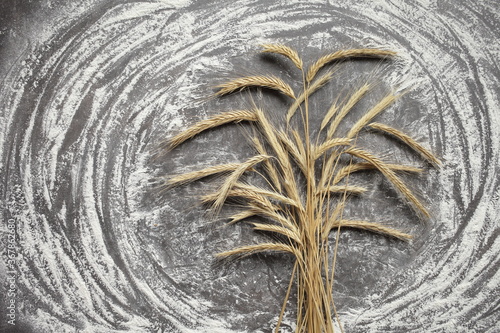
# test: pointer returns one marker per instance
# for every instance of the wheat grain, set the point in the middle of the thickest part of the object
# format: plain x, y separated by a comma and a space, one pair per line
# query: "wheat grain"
284, 51
426, 154
344, 54
269, 167
270, 82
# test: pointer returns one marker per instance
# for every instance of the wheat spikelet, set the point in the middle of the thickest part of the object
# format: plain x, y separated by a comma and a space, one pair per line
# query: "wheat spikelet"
290, 146
321, 149
311, 89
284, 51
212, 122
353, 100
374, 227
264, 208
269, 82
344, 188
329, 114
279, 230
343, 54
270, 194
195, 175
347, 170
391, 176
241, 216
263, 247
426, 154
234, 177
367, 117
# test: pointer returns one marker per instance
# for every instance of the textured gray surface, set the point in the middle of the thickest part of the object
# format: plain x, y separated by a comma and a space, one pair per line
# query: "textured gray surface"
89, 89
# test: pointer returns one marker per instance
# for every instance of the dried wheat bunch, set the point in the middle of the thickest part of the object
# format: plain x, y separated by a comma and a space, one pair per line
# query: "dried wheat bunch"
299, 207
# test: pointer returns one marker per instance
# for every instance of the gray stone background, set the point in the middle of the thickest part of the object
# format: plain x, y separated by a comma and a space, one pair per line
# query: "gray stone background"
90, 88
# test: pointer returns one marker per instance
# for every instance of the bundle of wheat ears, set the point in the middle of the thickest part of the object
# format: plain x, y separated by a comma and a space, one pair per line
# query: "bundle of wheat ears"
309, 179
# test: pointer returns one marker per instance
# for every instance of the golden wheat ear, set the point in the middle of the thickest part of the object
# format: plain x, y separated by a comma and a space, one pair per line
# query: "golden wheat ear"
268, 82
348, 169
215, 121
234, 177
391, 176
288, 233
426, 154
341, 189
346, 108
373, 227
258, 248
188, 177
284, 51
344, 54
372, 113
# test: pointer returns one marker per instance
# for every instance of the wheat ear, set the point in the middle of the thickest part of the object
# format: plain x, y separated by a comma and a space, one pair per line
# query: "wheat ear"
374, 227
241, 216
284, 51
234, 177
270, 82
318, 151
270, 194
391, 176
291, 234
348, 169
426, 154
372, 113
258, 248
329, 114
344, 188
294, 151
195, 175
212, 122
344, 54
353, 100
